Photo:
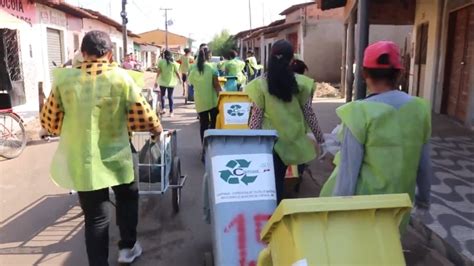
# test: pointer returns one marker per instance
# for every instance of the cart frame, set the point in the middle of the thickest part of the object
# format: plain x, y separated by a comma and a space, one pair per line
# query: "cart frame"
169, 163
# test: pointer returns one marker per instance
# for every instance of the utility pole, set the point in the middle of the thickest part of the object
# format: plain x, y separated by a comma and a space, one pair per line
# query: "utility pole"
363, 25
250, 14
124, 27
166, 25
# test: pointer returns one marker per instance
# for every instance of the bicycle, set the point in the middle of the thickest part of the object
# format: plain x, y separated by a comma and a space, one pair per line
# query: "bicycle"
12, 134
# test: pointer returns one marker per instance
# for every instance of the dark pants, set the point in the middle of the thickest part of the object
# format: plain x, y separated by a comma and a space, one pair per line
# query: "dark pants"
280, 171
95, 205
207, 119
170, 97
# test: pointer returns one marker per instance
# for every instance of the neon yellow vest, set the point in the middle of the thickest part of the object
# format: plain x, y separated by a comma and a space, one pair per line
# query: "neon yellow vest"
94, 150
393, 141
286, 118
235, 67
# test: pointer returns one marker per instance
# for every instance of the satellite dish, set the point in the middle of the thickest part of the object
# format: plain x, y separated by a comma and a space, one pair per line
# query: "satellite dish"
169, 22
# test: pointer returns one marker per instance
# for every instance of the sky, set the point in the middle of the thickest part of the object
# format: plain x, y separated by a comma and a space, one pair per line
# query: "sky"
198, 19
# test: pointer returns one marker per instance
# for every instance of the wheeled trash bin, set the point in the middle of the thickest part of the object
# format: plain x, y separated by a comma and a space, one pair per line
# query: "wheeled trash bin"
239, 192
359, 230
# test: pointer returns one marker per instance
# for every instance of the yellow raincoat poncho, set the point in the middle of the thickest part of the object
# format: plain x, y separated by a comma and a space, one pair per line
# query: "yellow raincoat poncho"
92, 108
235, 67
286, 118
392, 152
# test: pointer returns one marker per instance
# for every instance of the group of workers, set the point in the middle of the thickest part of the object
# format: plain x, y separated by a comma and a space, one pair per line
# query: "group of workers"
95, 105
203, 75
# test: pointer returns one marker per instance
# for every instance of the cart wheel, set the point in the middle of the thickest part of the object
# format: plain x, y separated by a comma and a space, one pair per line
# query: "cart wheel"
208, 259
175, 180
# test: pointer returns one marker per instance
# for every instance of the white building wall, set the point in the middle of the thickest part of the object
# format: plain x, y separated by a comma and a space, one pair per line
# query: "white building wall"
427, 12
30, 54
321, 50
53, 19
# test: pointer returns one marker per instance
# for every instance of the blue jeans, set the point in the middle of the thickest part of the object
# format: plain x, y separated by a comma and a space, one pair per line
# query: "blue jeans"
170, 97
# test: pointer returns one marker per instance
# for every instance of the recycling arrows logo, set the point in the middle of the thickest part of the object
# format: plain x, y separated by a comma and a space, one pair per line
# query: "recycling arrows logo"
236, 110
236, 172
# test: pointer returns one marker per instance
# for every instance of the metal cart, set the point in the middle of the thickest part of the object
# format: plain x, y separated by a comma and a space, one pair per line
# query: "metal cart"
157, 165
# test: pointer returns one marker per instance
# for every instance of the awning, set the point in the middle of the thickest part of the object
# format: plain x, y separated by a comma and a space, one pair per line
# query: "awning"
9, 21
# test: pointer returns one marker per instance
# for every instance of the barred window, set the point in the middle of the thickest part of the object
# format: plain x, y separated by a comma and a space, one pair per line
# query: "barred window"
11, 46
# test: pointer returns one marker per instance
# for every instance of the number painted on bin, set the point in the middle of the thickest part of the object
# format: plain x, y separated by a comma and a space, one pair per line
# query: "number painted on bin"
239, 223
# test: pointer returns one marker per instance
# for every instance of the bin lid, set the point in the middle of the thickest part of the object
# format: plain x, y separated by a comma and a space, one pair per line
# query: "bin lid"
333, 204
238, 95
232, 93
239, 133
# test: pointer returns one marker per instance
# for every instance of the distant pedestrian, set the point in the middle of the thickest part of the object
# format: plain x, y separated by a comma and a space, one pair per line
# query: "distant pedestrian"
185, 62
282, 101
221, 65
167, 79
128, 62
385, 143
252, 67
235, 67
204, 77
91, 107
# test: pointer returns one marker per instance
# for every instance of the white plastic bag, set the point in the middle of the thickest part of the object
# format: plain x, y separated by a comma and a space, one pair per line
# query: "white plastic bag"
331, 143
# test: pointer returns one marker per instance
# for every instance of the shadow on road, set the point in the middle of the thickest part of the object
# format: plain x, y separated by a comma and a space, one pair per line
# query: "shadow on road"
45, 229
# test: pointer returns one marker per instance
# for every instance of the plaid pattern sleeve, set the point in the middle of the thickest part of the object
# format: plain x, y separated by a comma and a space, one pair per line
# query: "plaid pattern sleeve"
256, 117
52, 115
312, 121
141, 117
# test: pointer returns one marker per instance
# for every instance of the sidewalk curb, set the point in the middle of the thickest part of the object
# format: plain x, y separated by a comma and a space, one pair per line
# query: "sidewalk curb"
437, 243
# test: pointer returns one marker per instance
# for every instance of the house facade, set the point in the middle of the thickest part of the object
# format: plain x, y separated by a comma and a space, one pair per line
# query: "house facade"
40, 36
176, 42
443, 61
439, 55
317, 36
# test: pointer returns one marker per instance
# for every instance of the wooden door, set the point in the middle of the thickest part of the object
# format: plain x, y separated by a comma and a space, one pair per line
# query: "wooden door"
459, 61
420, 57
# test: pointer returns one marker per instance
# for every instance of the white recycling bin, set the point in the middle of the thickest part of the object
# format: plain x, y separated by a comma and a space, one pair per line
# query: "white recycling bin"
239, 192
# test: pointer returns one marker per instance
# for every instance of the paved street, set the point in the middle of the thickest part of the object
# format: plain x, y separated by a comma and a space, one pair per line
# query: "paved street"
42, 224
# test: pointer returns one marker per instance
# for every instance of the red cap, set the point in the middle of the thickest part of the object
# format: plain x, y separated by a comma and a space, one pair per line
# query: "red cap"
374, 51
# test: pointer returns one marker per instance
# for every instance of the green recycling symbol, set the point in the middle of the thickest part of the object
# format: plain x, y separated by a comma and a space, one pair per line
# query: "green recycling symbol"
236, 172
236, 110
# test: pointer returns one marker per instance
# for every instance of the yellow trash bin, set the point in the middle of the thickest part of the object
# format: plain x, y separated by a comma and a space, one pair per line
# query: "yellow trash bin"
234, 110
359, 230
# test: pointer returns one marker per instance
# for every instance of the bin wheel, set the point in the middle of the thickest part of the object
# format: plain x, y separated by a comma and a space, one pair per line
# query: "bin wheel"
175, 180
208, 259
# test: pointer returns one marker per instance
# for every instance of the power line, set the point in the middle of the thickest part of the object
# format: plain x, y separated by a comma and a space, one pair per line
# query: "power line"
141, 10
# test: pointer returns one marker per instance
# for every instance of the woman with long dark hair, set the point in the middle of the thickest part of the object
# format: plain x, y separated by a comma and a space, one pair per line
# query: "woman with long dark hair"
167, 78
282, 101
203, 76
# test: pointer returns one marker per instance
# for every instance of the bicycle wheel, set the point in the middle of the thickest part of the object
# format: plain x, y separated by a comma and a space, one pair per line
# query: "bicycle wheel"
12, 136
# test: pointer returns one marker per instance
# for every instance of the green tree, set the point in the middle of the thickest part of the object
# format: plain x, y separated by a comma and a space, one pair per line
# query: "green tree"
222, 43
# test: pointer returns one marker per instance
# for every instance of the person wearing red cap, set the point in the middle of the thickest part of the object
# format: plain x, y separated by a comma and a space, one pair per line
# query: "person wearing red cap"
384, 137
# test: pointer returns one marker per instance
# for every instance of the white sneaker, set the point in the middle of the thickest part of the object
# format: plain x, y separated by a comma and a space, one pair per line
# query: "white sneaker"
129, 255
171, 114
